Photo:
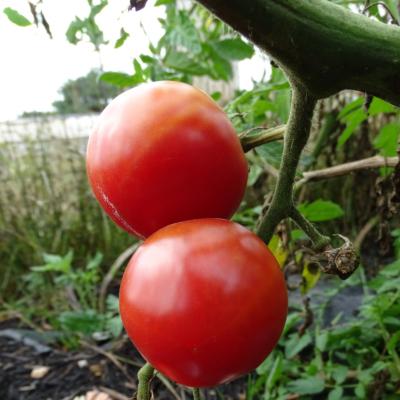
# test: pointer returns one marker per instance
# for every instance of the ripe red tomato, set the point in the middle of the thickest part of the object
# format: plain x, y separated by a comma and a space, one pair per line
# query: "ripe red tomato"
204, 301
165, 152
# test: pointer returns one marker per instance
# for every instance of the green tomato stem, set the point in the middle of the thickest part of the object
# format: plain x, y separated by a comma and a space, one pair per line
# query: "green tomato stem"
320, 241
297, 133
145, 376
196, 394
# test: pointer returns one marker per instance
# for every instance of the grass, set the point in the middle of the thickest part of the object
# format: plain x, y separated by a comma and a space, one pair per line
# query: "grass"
46, 205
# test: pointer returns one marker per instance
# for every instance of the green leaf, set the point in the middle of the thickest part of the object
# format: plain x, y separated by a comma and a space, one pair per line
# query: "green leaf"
233, 49
216, 96
321, 210
387, 140
339, 373
181, 32
95, 261
379, 106
221, 67
276, 372
94, 10
74, 28
120, 79
360, 391
112, 303
114, 325
350, 108
295, 344
86, 322
336, 394
15, 17
393, 341
321, 341
164, 2
357, 117
312, 385
271, 152
122, 38
181, 61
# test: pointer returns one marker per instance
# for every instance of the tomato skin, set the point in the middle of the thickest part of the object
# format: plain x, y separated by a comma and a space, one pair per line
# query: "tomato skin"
165, 152
204, 301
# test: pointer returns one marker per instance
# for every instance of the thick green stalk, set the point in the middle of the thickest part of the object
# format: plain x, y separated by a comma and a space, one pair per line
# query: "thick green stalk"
297, 133
145, 376
323, 46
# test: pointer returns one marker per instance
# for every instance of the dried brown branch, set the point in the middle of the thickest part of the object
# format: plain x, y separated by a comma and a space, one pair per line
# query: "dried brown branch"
347, 168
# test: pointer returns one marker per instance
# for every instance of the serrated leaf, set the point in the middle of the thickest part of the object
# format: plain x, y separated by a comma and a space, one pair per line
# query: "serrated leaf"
86, 322
233, 49
321, 210
182, 32
15, 17
311, 385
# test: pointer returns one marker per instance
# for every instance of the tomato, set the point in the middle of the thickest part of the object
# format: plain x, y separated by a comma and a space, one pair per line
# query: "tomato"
204, 301
165, 152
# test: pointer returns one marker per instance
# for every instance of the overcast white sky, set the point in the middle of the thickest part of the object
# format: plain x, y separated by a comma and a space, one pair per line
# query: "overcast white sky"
34, 67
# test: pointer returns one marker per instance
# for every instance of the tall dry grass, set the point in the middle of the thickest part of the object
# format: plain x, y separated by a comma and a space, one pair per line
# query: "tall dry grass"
46, 205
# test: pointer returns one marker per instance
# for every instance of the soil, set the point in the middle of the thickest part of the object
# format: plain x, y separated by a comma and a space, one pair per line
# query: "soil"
110, 368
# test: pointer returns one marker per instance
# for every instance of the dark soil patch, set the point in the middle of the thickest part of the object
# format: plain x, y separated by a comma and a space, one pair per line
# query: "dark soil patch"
108, 368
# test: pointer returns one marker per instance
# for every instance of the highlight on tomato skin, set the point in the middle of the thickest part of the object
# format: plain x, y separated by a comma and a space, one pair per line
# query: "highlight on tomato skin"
204, 301
165, 152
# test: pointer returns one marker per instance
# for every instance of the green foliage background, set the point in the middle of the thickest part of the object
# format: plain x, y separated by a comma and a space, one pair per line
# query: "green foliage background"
55, 239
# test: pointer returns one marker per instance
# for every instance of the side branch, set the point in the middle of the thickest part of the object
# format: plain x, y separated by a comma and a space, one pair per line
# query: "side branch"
249, 142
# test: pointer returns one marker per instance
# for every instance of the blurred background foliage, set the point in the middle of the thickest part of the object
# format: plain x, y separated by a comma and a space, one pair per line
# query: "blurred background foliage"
61, 257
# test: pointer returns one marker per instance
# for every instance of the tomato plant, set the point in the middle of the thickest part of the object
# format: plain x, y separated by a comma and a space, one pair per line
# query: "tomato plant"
204, 301
165, 152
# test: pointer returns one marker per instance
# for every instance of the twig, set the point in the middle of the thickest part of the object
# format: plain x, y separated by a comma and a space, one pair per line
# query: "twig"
112, 272
249, 142
108, 355
168, 385
364, 232
347, 168
113, 393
